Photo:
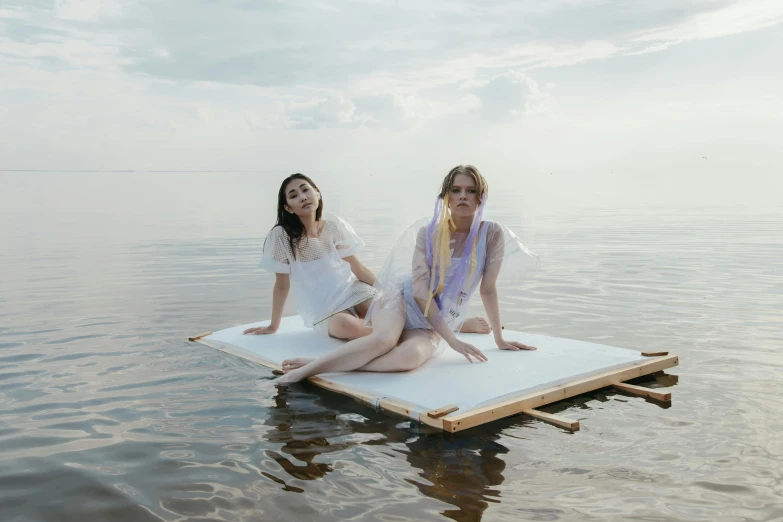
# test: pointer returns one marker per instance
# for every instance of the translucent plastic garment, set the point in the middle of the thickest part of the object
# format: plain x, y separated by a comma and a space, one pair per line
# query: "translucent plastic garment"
321, 279
405, 276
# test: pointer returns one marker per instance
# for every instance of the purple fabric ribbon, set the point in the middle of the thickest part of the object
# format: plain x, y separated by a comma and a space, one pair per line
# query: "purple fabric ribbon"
455, 283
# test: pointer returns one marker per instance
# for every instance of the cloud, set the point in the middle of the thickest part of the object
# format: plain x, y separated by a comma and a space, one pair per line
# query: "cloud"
502, 97
89, 68
341, 46
332, 111
87, 10
380, 109
729, 20
396, 111
510, 95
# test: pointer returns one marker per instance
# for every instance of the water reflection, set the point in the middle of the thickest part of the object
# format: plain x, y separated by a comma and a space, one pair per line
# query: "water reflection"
459, 470
463, 470
303, 427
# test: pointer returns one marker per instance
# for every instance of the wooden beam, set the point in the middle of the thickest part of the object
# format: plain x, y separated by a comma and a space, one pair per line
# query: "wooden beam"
561, 422
643, 392
654, 354
441, 412
199, 336
668, 379
477, 416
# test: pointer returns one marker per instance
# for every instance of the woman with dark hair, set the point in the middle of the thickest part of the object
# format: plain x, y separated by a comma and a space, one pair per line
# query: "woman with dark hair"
315, 254
424, 287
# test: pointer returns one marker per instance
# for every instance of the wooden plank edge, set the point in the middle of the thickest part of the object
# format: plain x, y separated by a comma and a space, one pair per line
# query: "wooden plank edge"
443, 411
555, 420
654, 354
199, 336
390, 405
642, 391
510, 407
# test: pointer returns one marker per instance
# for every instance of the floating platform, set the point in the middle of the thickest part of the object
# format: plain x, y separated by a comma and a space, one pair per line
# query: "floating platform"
451, 394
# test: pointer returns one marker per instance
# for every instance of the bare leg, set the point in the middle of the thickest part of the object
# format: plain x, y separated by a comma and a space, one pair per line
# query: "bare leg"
476, 325
354, 354
347, 326
296, 362
340, 326
416, 347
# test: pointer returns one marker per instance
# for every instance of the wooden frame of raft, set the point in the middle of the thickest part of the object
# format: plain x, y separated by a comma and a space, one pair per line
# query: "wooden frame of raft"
448, 418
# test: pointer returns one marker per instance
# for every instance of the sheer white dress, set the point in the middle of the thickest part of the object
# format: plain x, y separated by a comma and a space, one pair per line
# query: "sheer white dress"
321, 279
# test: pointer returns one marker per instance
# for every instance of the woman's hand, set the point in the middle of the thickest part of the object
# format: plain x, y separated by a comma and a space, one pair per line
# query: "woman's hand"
514, 345
260, 330
468, 350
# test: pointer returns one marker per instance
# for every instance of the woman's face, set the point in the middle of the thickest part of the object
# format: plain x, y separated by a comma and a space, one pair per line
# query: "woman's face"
301, 198
463, 196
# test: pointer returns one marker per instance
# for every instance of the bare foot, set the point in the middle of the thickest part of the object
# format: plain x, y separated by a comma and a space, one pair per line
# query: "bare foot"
475, 325
296, 362
289, 378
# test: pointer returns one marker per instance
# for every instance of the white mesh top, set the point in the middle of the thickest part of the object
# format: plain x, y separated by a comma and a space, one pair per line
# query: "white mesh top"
321, 279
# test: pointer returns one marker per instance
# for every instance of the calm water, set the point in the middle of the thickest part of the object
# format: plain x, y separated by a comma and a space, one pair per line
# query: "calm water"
106, 413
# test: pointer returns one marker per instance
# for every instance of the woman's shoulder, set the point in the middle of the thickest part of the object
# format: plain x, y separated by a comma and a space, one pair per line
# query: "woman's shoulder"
334, 222
491, 226
333, 226
277, 231
331, 221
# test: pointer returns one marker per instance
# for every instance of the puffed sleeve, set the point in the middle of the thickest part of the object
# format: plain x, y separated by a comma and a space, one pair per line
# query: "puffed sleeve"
276, 252
505, 248
421, 269
495, 246
346, 240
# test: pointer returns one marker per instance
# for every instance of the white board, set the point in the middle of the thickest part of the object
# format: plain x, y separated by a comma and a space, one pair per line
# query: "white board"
448, 378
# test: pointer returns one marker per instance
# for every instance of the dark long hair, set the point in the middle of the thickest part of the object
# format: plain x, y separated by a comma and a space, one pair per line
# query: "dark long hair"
289, 221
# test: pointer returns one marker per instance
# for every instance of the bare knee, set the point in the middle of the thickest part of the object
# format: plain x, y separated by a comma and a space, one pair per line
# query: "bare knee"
411, 357
343, 326
384, 342
356, 329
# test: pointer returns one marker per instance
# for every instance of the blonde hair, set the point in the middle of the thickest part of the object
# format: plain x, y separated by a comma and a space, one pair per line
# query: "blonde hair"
444, 226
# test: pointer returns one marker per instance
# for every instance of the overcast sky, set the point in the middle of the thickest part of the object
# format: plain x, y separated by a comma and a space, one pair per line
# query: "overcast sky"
655, 102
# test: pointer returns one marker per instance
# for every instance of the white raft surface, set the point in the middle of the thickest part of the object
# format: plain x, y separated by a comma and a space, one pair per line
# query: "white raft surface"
509, 382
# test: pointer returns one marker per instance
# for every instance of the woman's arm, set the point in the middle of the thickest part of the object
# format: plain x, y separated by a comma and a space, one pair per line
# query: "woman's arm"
279, 296
361, 272
489, 296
